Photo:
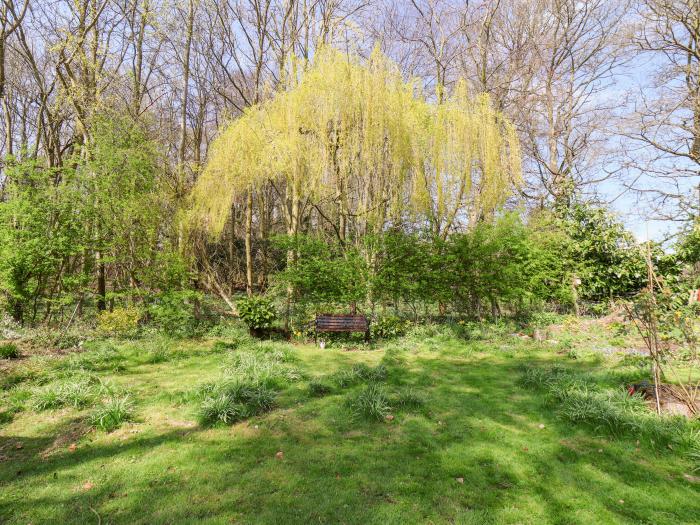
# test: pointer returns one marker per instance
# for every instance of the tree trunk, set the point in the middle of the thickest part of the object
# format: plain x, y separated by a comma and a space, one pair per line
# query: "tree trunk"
101, 282
249, 244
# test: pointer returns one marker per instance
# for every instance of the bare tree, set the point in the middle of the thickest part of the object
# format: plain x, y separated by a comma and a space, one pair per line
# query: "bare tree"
11, 17
665, 125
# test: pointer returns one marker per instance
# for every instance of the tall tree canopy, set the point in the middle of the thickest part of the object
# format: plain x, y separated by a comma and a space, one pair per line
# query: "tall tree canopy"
355, 131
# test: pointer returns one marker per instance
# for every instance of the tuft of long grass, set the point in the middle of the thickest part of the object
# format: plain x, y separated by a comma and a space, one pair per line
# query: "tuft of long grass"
9, 351
319, 388
366, 373
408, 398
577, 398
77, 393
220, 409
263, 365
371, 403
345, 378
231, 400
112, 413
104, 357
159, 354
359, 373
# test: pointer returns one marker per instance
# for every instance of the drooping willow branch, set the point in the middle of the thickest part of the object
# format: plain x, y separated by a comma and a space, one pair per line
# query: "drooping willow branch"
355, 131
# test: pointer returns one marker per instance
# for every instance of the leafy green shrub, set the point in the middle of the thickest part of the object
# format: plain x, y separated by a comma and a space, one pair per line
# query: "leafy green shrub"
319, 388
120, 322
257, 312
543, 319
9, 351
179, 313
112, 413
371, 403
389, 327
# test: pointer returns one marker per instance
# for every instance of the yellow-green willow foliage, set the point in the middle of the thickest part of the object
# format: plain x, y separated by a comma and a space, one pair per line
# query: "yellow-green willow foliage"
466, 162
357, 132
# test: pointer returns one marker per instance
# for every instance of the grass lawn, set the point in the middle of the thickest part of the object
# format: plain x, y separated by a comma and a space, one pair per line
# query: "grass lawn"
479, 448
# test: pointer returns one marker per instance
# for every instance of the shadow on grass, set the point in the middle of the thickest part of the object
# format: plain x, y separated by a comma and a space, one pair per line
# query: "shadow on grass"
474, 454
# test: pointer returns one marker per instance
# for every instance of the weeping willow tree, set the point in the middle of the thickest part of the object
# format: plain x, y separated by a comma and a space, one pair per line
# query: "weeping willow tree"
352, 132
466, 162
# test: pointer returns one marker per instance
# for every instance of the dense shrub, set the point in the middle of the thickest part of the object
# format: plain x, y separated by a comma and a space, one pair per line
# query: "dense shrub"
257, 312
121, 321
388, 327
179, 313
322, 273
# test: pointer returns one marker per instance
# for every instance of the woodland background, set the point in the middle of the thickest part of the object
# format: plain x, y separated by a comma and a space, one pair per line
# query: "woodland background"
110, 107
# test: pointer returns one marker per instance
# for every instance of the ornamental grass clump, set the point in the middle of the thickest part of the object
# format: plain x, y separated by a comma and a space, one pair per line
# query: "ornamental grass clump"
232, 400
248, 385
577, 398
9, 351
319, 388
77, 394
371, 403
112, 413
409, 398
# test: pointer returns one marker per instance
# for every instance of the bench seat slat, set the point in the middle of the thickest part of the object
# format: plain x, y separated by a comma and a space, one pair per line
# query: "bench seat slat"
341, 323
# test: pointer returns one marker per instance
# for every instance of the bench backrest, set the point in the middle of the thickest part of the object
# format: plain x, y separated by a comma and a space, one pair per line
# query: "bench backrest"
341, 323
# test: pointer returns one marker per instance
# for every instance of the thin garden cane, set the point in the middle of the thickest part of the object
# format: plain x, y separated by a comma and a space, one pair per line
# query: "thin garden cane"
645, 317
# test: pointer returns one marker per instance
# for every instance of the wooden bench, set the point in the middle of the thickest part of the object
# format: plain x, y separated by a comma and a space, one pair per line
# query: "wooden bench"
342, 323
